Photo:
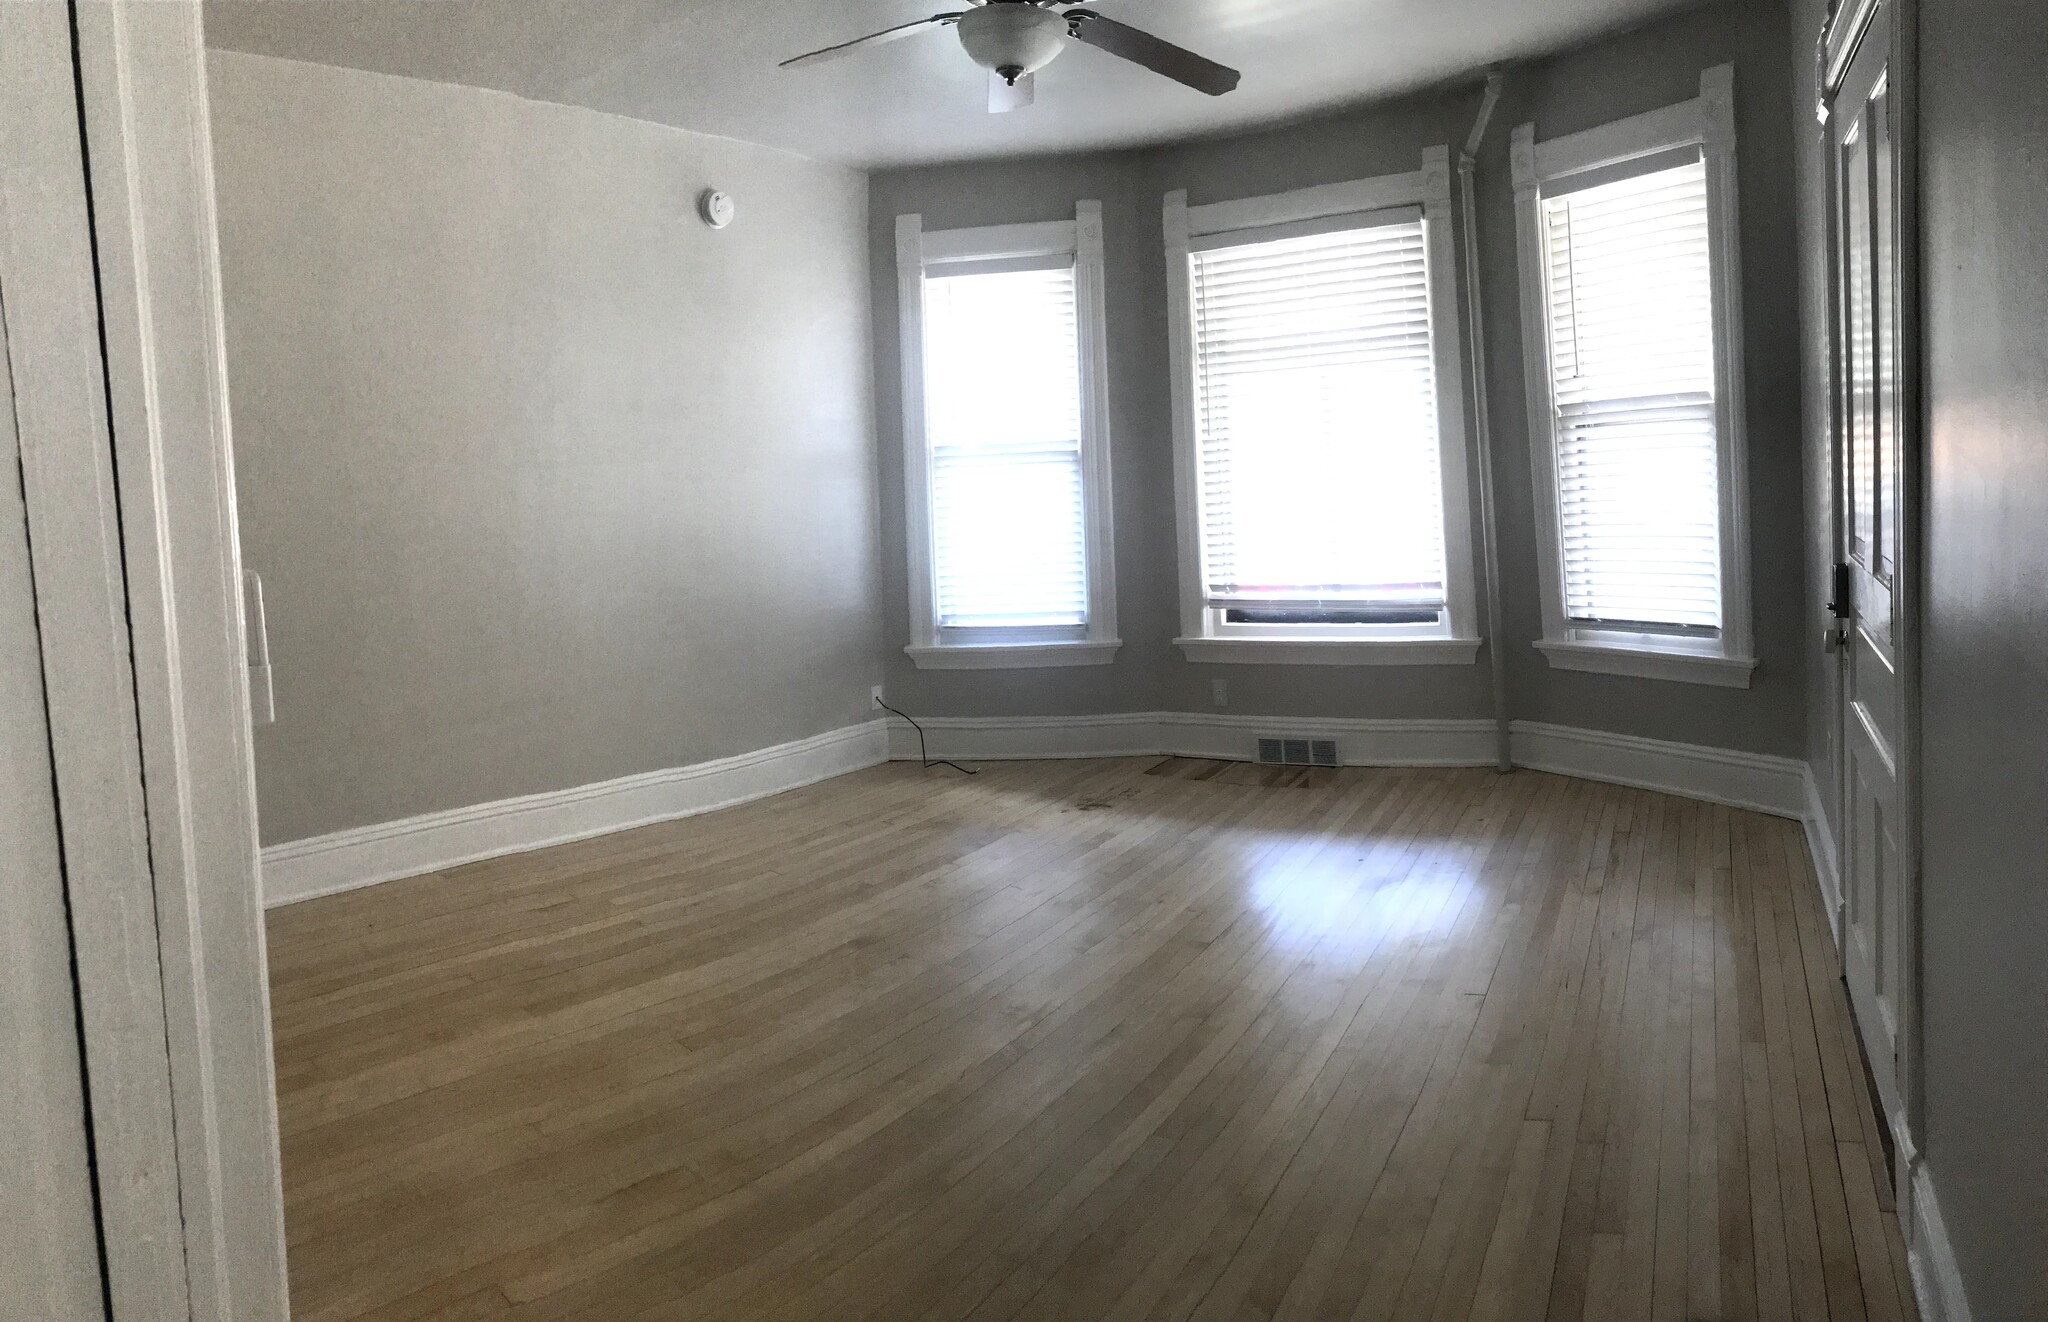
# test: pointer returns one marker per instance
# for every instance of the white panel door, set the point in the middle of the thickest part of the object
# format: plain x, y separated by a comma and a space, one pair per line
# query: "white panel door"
1863, 142
48, 1241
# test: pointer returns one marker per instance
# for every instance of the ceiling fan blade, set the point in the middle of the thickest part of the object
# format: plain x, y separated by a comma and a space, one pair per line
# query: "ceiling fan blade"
1004, 96
1183, 66
872, 39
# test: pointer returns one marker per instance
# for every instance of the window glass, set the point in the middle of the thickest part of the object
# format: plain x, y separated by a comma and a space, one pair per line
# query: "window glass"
1003, 422
1315, 387
1631, 330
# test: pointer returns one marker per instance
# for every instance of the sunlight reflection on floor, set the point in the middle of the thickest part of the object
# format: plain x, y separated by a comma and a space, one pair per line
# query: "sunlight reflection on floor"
1340, 905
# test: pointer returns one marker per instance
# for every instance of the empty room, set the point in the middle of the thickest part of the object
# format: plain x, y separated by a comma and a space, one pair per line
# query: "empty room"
1049, 660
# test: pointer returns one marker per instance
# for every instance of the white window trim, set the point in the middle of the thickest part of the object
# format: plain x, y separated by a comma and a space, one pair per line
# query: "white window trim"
1454, 642
1081, 237
1706, 122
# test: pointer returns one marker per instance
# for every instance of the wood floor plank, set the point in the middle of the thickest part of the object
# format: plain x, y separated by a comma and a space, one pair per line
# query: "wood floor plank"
1132, 1038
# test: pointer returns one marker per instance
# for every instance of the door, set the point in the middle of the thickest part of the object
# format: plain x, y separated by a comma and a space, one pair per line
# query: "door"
47, 1219
1870, 629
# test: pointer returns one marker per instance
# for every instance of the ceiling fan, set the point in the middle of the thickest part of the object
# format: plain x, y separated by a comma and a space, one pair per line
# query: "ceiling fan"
1013, 39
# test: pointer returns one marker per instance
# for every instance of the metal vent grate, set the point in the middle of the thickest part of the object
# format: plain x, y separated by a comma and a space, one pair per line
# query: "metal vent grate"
1298, 752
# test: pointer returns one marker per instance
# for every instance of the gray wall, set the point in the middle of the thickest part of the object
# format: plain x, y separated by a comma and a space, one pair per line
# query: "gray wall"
1984, 935
548, 483
1620, 76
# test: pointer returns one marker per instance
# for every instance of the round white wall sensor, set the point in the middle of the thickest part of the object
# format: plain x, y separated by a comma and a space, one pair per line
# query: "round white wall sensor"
716, 208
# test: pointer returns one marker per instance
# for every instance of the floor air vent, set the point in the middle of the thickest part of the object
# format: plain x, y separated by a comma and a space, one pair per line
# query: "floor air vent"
1298, 752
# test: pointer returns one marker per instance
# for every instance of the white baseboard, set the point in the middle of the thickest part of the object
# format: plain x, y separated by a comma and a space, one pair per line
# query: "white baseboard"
1360, 743
1937, 1281
1820, 844
1743, 780
1718, 775
1027, 738
1388, 743
345, 860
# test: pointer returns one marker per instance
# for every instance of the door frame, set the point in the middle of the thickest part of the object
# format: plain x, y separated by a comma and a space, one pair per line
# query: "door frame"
47, 1202
143, 86
139, 547
1841, 39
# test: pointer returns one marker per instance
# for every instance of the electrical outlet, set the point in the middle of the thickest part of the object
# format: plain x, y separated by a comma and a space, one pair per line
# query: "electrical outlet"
1219, 692
875, 696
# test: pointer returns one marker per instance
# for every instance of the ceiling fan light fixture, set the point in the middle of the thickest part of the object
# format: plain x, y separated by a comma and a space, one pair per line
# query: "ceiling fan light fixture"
1011, 38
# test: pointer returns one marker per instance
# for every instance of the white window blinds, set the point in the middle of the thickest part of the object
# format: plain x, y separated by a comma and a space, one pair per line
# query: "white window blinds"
1003, 420
1632, 379
1317, 420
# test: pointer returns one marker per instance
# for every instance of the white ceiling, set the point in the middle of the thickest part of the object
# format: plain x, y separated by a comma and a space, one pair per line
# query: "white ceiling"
709, 65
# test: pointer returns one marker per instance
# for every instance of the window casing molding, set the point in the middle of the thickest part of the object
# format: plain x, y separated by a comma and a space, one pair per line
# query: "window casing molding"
1204, 635
1609, 152
931, 646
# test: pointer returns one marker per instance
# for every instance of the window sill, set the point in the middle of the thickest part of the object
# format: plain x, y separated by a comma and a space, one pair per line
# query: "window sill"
1331, 651
1730, 672
1014, 656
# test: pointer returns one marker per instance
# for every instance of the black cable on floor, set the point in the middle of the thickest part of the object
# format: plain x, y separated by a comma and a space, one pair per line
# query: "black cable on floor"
922, 752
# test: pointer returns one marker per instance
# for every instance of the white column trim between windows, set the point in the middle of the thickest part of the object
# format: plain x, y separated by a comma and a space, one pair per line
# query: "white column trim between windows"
918, 251
1607, 153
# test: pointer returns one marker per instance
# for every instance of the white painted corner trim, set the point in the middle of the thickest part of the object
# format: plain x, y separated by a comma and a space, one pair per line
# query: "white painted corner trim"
1757, 781
364, 856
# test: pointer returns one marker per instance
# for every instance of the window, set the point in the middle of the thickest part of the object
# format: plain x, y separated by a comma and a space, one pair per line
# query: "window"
1629, 307
1006, 449
1319, 425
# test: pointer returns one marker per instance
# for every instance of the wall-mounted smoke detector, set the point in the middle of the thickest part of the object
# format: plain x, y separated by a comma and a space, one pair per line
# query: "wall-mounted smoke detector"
715, 207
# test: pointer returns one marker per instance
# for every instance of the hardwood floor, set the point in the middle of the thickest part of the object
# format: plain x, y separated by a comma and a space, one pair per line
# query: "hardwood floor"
1074, 1041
